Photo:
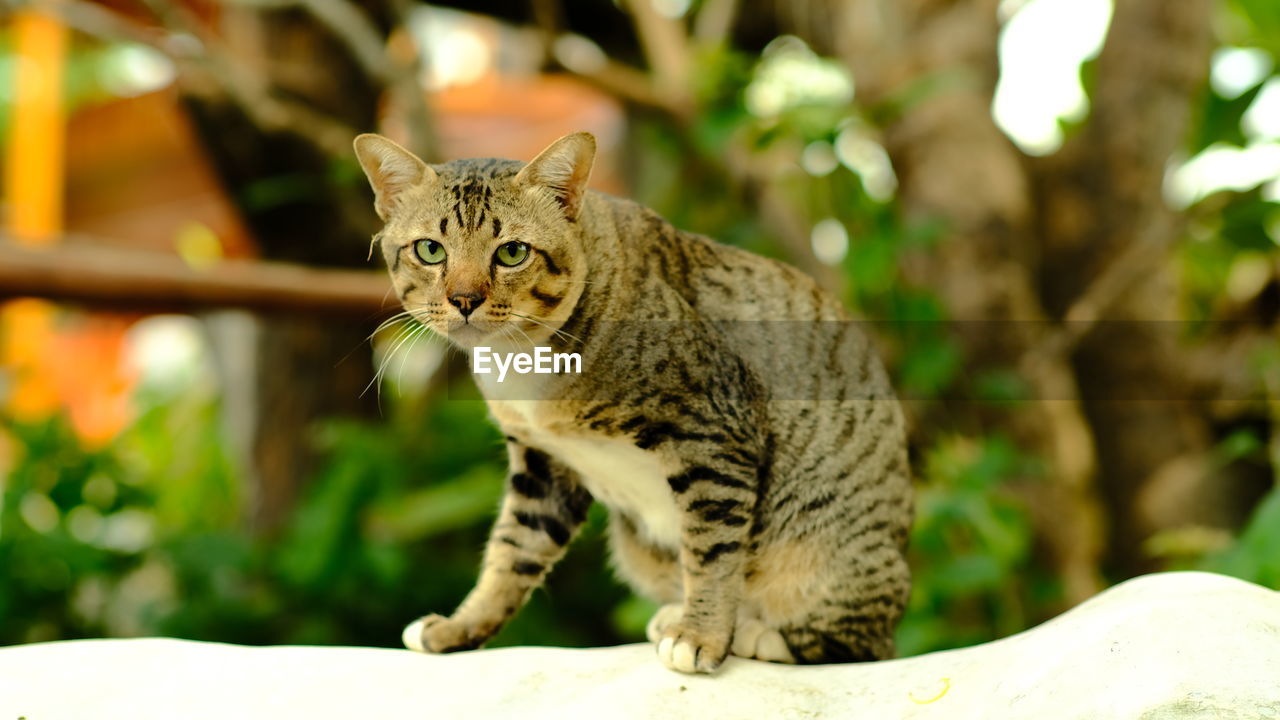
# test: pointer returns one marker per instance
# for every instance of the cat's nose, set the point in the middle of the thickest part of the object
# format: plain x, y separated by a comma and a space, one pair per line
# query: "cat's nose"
466, 303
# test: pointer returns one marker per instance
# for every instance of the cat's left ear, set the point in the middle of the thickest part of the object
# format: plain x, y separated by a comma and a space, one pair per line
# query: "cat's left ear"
563, 168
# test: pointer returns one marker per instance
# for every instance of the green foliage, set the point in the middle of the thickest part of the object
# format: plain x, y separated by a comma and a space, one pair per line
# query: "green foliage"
1220, 119
974, 579
40, 558
1255, 556
1252, 23
1235, 232
390, 529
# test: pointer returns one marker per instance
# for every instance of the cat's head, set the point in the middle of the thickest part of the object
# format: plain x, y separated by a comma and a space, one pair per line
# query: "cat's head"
485, 252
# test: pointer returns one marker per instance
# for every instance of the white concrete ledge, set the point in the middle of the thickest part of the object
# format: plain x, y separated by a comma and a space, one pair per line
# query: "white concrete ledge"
1174, 645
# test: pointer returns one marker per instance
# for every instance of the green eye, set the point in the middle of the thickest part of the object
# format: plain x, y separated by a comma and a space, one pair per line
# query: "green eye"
512, 253
429, 251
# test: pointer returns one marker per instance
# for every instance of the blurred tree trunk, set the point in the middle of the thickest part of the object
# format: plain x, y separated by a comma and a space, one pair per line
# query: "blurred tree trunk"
957, 169
1025, 240
1101, 195
306, 368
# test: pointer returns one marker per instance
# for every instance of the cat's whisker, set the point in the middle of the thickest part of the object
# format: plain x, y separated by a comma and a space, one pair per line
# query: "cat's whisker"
405, 349
509, 332
404, 358
513, 328
397, 319
382, 367
411, 310
554, 331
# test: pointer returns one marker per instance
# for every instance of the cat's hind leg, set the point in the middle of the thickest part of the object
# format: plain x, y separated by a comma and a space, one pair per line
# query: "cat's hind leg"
825, 607
752, 638
855, 625
862, 640
652, 571
834, 633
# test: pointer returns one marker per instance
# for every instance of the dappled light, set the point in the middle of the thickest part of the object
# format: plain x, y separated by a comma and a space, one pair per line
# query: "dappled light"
1042, 46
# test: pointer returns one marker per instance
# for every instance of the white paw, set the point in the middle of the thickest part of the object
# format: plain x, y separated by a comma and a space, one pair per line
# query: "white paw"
753, 639
677, 656
687, 650
412, 635
665, 617
440, 634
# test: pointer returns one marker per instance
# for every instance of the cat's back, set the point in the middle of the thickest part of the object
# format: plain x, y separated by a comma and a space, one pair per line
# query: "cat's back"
718, 281
797, 337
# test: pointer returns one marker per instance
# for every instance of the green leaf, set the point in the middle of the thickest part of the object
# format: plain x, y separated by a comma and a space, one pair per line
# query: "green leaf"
1001, 386
969, 574
1257, 23
929, 367
442, 508
1220, 119
632, 615
1256, 555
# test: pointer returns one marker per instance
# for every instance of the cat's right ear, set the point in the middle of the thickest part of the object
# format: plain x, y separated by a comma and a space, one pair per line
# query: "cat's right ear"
391, 170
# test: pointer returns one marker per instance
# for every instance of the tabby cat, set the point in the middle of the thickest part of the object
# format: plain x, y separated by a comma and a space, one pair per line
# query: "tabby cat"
737, 426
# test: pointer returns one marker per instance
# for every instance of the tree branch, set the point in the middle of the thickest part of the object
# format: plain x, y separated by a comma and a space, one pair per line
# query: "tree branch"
192, 48
97, 21
406, 87
351, 25
347, 22
1124, 271
666, 48
104, 276
714, 22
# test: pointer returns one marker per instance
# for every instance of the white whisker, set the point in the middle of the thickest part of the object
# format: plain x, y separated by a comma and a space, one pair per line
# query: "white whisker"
382, 367
554, 331
516, 328
398, 318
417, 337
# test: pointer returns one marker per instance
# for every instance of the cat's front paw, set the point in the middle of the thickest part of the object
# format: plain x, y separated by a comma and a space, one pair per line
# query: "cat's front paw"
689, 649
439, 634
666, 616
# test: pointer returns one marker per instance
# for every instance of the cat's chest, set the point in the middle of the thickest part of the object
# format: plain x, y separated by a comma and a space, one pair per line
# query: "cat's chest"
625, 478
617, 473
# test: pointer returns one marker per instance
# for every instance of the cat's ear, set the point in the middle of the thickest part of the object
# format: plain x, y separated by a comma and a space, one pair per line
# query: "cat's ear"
391, 170
563, 168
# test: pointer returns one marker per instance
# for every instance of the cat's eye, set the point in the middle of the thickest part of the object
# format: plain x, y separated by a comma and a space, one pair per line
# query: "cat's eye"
512, 253
429, 251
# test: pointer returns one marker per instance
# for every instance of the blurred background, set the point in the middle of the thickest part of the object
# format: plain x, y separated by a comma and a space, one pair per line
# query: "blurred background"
1060, 219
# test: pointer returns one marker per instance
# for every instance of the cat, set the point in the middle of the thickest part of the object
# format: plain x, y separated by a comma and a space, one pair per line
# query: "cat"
738, 427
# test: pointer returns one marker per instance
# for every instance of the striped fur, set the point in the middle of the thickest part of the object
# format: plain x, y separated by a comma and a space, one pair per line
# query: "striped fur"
738, 427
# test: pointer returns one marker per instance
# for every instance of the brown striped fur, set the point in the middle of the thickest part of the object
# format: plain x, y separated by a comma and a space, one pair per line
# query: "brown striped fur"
738, 427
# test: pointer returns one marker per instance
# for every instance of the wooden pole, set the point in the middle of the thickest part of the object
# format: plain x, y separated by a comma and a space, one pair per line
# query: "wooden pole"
33, 187
112, 278
34, 170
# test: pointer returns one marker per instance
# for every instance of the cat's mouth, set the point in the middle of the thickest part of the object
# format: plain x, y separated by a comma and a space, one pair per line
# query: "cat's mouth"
471, 332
